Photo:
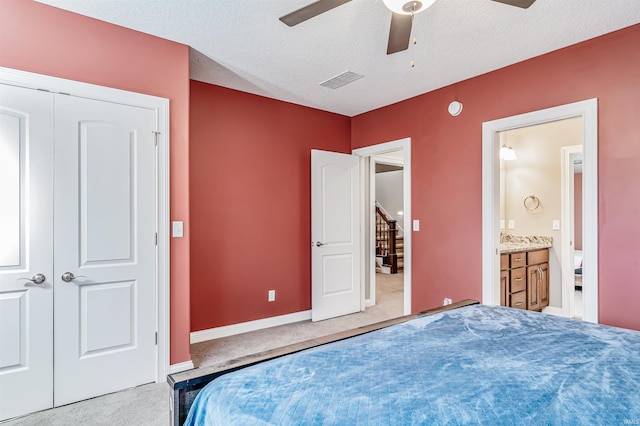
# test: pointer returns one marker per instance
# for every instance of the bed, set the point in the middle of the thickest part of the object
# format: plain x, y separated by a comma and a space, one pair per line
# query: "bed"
474, 364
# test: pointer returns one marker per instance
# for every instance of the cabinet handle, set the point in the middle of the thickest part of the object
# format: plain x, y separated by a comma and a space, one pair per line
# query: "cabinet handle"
519, 303
518, 259
518, 279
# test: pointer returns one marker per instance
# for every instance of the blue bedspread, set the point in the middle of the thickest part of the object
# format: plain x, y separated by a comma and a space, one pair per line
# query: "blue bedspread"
474, 365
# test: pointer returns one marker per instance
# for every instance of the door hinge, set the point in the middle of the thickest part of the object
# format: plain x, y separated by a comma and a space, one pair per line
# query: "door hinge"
156, 338
156, 136
156, 238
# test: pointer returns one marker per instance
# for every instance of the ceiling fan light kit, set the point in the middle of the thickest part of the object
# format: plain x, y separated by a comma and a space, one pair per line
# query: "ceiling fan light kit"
402, 13
404, 7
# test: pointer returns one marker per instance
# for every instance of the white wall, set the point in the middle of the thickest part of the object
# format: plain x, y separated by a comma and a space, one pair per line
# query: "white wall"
389, 193
537, 171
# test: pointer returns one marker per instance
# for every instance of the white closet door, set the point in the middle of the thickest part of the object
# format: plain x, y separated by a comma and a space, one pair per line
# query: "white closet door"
26, 242
105, 237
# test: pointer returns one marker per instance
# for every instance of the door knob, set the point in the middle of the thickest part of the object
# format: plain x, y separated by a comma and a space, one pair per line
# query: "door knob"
36, 279
320, 243
67, 277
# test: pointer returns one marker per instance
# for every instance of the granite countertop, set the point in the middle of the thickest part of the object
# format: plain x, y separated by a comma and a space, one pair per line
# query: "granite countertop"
513, 243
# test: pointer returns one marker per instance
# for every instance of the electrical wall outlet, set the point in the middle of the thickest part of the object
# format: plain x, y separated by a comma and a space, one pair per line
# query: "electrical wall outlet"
555, 225
446, 301
512, 224
272, 296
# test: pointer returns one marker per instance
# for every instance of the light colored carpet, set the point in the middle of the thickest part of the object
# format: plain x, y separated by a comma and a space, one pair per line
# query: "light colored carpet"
389, 304
148, 405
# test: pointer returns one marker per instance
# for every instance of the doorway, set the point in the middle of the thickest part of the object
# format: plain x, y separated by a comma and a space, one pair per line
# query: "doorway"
388, 279
572, 212
538, 171
368, 160
587, 110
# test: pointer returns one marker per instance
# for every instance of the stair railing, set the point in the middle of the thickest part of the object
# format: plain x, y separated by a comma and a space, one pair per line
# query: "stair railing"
386, 230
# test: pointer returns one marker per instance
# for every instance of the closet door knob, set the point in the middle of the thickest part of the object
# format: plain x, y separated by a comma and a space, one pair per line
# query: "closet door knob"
36, 279
67, 277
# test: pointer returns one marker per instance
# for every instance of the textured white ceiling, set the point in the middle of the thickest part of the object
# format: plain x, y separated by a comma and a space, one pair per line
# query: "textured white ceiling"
241, 44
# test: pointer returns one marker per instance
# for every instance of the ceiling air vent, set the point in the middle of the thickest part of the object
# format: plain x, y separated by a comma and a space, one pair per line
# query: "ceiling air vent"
342, 79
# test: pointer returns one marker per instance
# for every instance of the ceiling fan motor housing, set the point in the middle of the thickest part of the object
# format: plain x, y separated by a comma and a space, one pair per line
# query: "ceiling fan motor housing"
410, 7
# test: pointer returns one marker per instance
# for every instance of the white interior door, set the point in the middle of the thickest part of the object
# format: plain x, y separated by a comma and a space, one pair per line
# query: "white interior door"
105, 237
26, 241
335, 234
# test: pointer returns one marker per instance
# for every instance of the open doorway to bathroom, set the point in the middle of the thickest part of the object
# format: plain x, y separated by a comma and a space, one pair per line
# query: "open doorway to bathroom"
537, 203
587, 111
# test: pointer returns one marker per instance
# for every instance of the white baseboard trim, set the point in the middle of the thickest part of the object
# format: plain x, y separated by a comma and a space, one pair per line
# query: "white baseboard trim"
552, 310
245, 327
180, 367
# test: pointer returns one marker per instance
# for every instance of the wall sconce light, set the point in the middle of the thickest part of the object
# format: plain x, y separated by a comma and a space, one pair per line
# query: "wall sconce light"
507, 153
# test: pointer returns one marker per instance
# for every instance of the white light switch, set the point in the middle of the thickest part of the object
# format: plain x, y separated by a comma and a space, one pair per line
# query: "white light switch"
178, 230
416, 225
512, 224
501, 223
556, 225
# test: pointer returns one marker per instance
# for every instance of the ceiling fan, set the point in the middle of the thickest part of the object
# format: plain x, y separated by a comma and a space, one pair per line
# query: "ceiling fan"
402, 12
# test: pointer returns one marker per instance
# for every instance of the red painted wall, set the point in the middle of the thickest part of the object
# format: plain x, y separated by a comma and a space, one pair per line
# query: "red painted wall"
250, 171
42, 39
447, 165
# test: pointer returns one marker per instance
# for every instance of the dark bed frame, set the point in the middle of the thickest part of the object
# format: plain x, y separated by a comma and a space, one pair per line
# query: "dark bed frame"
185, 386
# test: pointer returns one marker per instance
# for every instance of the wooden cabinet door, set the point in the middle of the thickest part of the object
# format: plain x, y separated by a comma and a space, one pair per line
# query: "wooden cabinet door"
544, 284
533, 286
504, 262
504, 287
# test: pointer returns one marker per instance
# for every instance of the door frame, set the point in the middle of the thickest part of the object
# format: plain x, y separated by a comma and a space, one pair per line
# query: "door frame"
588, 110
161, 107
567, 179
373, 162
368, 211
